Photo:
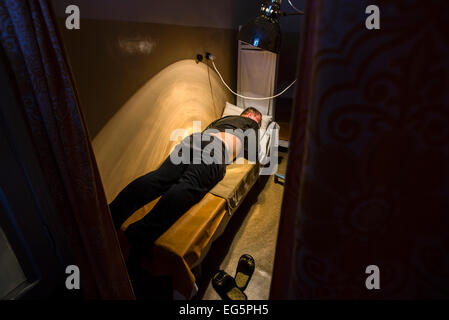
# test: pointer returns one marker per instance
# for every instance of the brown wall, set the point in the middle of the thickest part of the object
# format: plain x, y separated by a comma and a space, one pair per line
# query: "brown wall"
138, 82
111, 60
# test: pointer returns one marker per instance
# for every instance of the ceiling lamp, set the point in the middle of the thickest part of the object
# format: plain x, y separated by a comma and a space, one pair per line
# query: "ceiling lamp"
264, 31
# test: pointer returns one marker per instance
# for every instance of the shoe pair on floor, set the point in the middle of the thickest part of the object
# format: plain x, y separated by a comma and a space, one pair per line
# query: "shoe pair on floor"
230, 288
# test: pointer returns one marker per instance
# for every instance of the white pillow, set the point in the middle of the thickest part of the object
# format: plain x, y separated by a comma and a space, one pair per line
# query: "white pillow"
232, 110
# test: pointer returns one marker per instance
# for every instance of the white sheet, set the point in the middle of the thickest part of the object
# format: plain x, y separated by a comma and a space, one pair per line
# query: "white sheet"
256, 78
268, 142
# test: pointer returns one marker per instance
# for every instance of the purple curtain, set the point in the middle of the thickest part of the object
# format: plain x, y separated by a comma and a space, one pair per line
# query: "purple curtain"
368, 173
30, 41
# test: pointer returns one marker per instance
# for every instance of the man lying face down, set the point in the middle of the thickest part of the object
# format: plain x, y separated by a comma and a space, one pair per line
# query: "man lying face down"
195, 166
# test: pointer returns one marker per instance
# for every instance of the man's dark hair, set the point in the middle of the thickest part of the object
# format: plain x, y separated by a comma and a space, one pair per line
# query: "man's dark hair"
252, 112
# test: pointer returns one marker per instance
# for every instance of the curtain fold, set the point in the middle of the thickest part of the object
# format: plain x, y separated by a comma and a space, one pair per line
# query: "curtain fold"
31, 43
283, 266
368, 173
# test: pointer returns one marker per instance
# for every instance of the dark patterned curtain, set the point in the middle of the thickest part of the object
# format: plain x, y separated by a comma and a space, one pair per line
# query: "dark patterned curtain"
368, 171
30, 42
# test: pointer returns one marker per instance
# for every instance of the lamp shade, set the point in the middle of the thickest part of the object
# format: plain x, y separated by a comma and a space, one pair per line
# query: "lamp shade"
264, 31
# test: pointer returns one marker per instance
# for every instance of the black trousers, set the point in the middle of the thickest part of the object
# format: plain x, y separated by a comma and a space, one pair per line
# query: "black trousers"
180, 185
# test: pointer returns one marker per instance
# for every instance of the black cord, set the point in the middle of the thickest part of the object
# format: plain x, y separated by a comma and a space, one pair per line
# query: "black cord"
211, 91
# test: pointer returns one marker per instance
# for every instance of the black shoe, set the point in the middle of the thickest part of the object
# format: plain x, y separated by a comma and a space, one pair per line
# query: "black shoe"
226, 288
244, 272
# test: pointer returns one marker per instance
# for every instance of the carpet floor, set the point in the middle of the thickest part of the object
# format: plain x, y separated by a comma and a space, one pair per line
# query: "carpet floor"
253, 230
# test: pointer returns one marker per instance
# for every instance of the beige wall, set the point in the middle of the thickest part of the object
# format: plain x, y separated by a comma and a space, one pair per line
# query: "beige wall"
111, 60
137, 138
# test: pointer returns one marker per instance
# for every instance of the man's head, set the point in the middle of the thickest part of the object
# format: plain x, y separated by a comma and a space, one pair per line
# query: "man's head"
252, 113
